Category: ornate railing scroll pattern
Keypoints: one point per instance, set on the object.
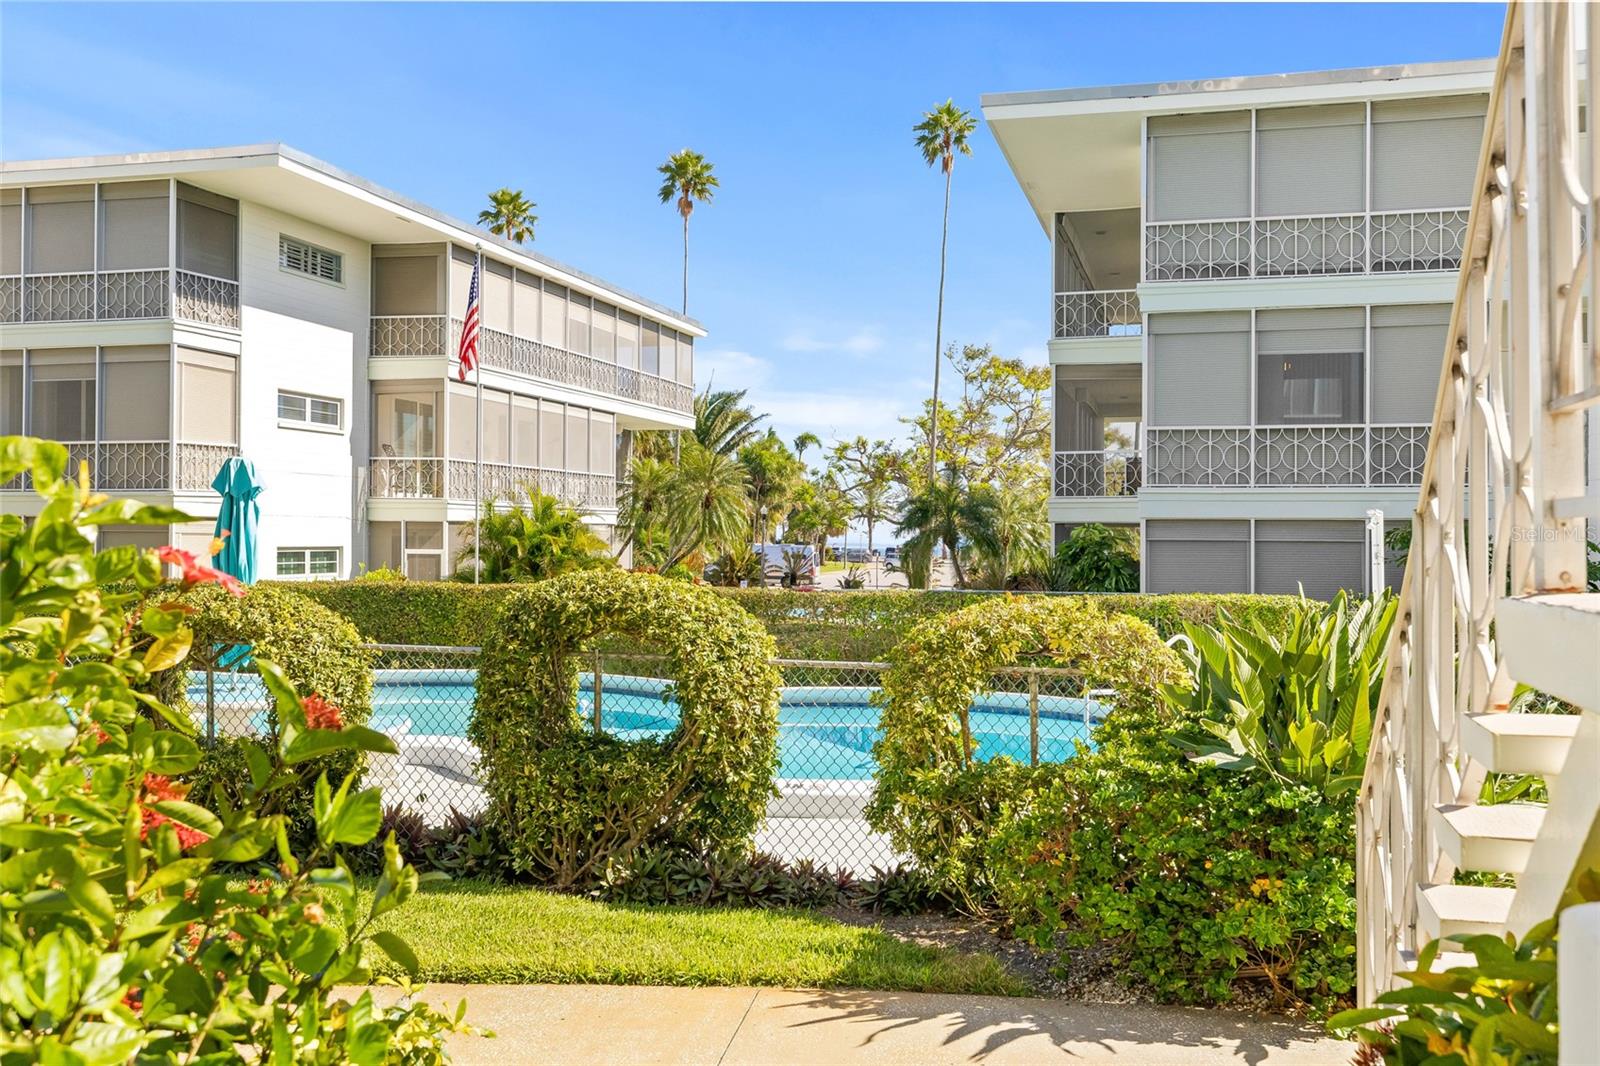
(1325, 244)
(1283, 456)
(584, 491)
(1197, 457)
(407, 336)
(1504, 464)
(1101, 313)
(1185, 251)
(198, 464)
(11, 298)
(1115, 472)
(1418, 240)
(58, 297)
(133, 466)
(405, 478)
(208, 300)
(133, 294)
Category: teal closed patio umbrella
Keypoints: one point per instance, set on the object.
(237, 519)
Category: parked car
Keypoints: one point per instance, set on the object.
(859, 555)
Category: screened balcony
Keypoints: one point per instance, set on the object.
(1096, 257)
(119, 251)
(530, 326)
(66, 395)
(1097, 430)
(1377, 188)
(563, 450)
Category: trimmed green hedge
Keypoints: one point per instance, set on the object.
(807, 625)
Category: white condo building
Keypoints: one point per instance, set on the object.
(162, 312)
(1251, 282)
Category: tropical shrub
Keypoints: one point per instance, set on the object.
(568, 801)
(860, 626)
(1295, 700)
(529, 542)
(315, 648)
(1095, 558)
(1502, 1010)
(936, 803)
(1191, 876)
(135, 923)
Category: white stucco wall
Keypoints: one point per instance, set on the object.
(307, 336)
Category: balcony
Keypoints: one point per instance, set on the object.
(1395, 242)
(120, 296)
(424, 336)
(1098, 474)
(1342, 456)
(1098, 313)
(402, 478)
(148, 466)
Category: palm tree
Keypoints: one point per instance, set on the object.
(950, 513)
(708, 503)
(805, 440)
(510, 215)
(687, 176)
(527, 543)
(1021, 532)
(940, 135)
(642, 505)
(722, 423)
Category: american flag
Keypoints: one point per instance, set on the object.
(468, 353)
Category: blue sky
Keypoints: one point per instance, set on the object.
(815, 268)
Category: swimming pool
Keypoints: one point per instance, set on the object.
(824, 733)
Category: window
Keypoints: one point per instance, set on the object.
(308, 259)
(1310, 366)
(314, 412)
(308, 562)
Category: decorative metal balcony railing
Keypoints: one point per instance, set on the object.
(1304, 245)
(1494, 591)
(402, 478)
(1280, 456)
(1100, 313)
(120, 295)
(424, 336)
(146, 466)
(1109, 472)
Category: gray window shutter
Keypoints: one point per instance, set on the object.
(1199, 166)
(1407, 358)
(1200, 369)
(60, 229)
(406, 285)
(1425, 152)
(133, 225)
(1181, 555)
(1321, 557)
(1311, 160)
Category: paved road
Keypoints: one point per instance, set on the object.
(644, 1026)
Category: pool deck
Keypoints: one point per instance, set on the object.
(646, 1026)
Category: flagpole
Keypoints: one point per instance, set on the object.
(477, 491)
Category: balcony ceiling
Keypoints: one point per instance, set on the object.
(1072, 162)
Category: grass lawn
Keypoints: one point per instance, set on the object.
(476, 931)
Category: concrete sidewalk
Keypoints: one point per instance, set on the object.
(602, 1025)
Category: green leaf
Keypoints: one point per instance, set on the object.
(397, 949)
(168, 651)
(188, 814)
(1349, 1019)
(173, 873)
(354, 819)
(39, 725)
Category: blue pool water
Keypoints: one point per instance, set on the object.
(824, 733)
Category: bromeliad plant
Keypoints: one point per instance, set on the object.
(1294, 701)
(136, 923)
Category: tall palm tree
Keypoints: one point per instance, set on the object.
(1021, 531)
(510, 215)
(940, 135)
(804, 440)
(951, 513)
(687, 177)
(722, 422)
(708, 503)
(643, 505)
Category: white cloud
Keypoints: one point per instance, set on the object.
(730, 369)
(863, 341)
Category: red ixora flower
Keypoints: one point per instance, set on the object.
(196, 572)
(320, 714)
(133, 999)
(157, 788)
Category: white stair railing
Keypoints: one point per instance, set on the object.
(1502, 506)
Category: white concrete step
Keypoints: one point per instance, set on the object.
(1461, 910)
(1519, 743)
(1552, 643)
(1442, 961)
(1496, 838)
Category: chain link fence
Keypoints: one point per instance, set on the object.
(828, 723)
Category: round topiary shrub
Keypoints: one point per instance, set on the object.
(935, 801)
(569, 801)
(320, 652)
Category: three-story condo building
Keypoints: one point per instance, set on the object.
(162, 312)
(1251, 286)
